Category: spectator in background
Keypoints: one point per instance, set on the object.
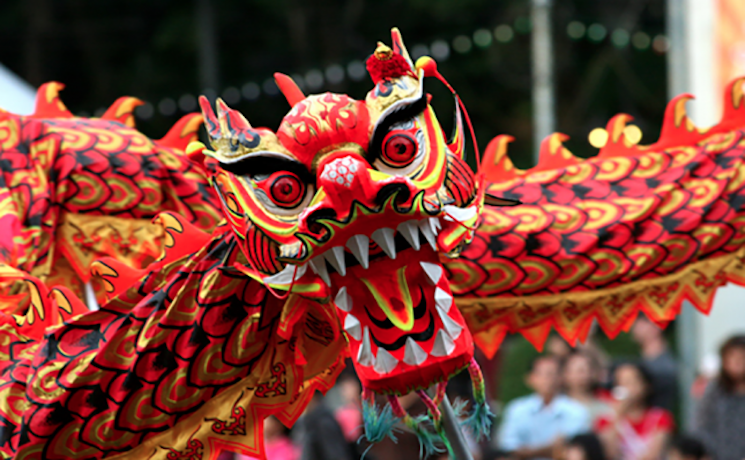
(349, 415)
(661, 364)
(581, 384)
(687, 448)
(585, 446)
(535, 425)
(636, 430)
(320, 435)
(720, 421)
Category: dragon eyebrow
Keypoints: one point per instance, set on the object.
(405, 112)
(257, 166)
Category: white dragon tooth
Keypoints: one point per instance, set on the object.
(436, 225)
(385, 362)
(410, 231)
(443, 346)
(364, 354)
(443, 299)
(359, 245)
(414, 355)
(353, 327)
(426, 228)
(433, 271)
(335, 256)
(459, 214)
(287, 274)
(451, 327)
(343, 301)
(318, 265)
(384, 237)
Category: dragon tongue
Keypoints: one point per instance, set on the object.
(390, 290)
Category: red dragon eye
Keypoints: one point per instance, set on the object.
(399, 149)
(285, 189)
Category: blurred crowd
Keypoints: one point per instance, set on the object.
(584, 406)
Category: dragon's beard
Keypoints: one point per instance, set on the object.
(404, 329)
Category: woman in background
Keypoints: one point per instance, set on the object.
(635, 430)
(721, 413)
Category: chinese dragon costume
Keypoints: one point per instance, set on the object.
(357, 229)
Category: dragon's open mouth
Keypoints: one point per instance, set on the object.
(402, 317)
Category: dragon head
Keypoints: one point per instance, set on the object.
(353, 203)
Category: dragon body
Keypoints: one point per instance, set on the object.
(356, 229)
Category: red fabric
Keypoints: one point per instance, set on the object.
(654, 419)
(350, 420)
(276, 449)
(393, 67)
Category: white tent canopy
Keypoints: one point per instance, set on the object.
(16, 95)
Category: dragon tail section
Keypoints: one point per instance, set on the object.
(638, 228)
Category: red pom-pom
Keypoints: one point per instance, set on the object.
(385, 63)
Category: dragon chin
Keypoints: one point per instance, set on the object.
(397, 310)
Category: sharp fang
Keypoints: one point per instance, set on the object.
(451, 327)
(335, 256)
(410, 231)
(384, 237)
(385, 362)
(318, 265)
(414, 355)
(360, 247)
(443, 299)
(353, 327)
(287, 274)
(433, 271)
(459, 214)
(343, 300)
(364, 355)
(426, 228)
(443, 346)
(435, 223)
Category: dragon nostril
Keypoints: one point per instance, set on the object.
(389, 189)
(312, 220)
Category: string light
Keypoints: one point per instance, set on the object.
(482, 38)
(640, 40)
(620, 38)
(596, 32)
(231, 95)
(187, 103)
(334, 74)
(503, 33)
(418, 51)
(314, 79)
(440, 50)
(598, 137)
(167, 107)
(576, 30)
(462, 44)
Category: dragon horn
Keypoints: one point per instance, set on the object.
(399, 47)
(289, 88)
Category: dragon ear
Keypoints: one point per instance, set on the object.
(232, 122)
(399, 47)
(210, 120)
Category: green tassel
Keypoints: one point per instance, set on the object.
(422, 427)
(379, 424)
(478, 422)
